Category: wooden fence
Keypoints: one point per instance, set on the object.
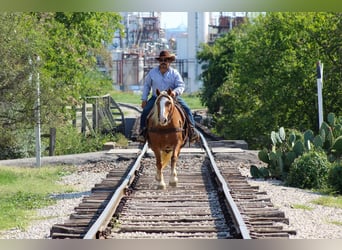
(100, 114)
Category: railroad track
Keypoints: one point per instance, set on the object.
(212, 200)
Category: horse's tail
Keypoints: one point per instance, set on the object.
(165, 157)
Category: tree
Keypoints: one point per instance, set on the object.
(75, 39)
(272, 80)
(67, 45)
(216, 68)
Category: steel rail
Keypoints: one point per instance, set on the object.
(235, 213)
(109, 211)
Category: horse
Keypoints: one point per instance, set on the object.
(166, 134)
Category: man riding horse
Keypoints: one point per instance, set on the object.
(164, 77)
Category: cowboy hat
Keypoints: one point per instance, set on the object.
(166, 54)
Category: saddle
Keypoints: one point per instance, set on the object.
(186, 126)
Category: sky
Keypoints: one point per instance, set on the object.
(173, 19)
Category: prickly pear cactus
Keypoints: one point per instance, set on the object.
(336, 149)
(263, 156)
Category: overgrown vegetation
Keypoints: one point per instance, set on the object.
(329, 201)
(309, 171)
(301, 206)
(262, 75)
(59, 50)
(71, 141)
(22, 190)
(307, 160)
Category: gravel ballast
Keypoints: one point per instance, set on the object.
(311, 221)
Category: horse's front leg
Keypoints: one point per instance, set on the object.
(159, 175)
(173, 177)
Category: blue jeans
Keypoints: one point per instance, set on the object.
(149, 106)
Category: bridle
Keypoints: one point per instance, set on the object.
(172, 106)
(169, 116)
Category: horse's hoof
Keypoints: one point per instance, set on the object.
(173, 184)
(162, 186)
(173, 181)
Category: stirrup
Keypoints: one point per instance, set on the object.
(193, 136)
(142, 136)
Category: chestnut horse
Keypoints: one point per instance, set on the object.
(166, 135)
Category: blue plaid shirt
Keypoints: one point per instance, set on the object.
(156, 80)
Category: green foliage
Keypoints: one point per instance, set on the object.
(298, 148)
(193, 100)
(16, 144)
(330, 137)
(309, 171)
(282, 154)
(336, 148)
(329, 201)
(335, 178)
(262, 75)
(301, 206)
(17, 91)
(260, 172)
(286, 151)
(70, 141)
(216, 70)
(69, 54)
(126, 97)
(59, 51)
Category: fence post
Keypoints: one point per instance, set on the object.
(74, 112)
(84, 117)
(52, 141)
(96, 115)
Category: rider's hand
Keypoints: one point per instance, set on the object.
(143, 104)
(173, 94)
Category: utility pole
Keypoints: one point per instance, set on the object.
(37, 113)
(319, 69)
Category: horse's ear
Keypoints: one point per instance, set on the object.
(169, 91)
(157, 92)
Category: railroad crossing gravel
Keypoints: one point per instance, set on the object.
(318, 222)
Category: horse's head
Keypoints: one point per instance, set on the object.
(165, 106)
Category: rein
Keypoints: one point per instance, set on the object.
(165, 130)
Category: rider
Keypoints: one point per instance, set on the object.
(164, 77)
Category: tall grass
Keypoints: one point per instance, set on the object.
(193, 100)
(329, 201)
(22, 190)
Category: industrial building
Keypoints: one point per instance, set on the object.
(134, 54)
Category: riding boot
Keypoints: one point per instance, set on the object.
(193, 134)
(142, 135)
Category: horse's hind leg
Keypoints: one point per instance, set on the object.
(173, 178)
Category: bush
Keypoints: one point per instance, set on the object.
(18, 143)
(309, 171)
(335, 178)
(70, 141)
